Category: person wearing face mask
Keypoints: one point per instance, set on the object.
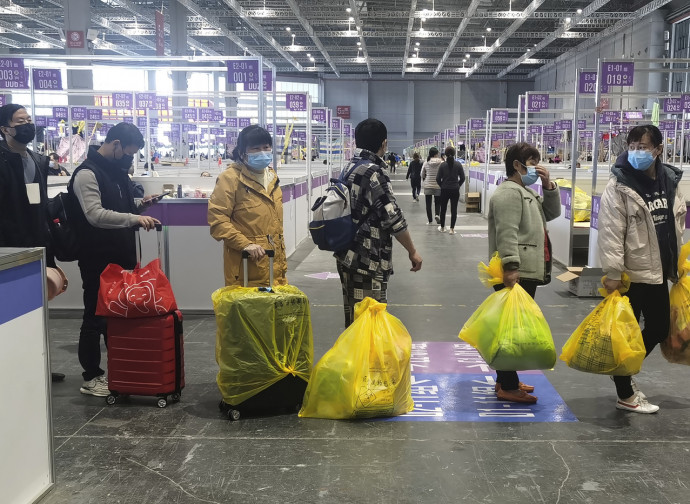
(641, 224)
(23, 188)
(105, 217)
(517, 231)
(54, 167)
(245, 211)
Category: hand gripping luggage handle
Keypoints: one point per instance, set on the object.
(245, 266)
(159, 231)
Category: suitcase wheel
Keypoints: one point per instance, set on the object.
(110, 400)
(175, 397)
(233, 414)
(162, 402)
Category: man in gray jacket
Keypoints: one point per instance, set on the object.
(641, 223)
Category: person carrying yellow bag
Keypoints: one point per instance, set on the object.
(509, 331)
(641, 223)
(676, 348)
(517, 231)
(366, 373)
(609, 340)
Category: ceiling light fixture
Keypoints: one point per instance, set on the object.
(308, 55)
(488, 29)
(19, 25)
(467, 56)
(288, 28)
(311, 59)
(579, 11)
(568, 20)
(417, 44)
(348, 10)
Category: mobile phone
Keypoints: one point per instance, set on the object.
(159, 197)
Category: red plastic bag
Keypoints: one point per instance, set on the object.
(142, 292)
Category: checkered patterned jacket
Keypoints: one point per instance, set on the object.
(377, 214)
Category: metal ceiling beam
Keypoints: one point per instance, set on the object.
(471, 11)
(327, 14)
(8, 42)
(410, 25)
(393, 60)
(307, 27)
(358, 24)
(586, 12)
(237, 8)
(391, 49)
(387, 34)
(647, 9)
(506, 34)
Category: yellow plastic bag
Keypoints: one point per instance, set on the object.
(261, 337)
(508, 329)
(609, 340)
(582, 203)
(366, 373)
(676, 348)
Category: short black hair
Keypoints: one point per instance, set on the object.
(7, 113)
(370, 135)
(127, 134)
(415, 156)
(636, 134)
(522, 152)
(249, 137)
(54, 156)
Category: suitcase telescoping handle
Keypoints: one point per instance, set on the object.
(245, 265)
(159, 235)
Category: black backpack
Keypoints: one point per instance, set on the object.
(63, 227)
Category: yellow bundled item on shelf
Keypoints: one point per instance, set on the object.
(582, 203)
(366, 373)
(676, 348)
(508, 329)
(475, 163)
(609, 340)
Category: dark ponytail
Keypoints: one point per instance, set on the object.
(432, 152)
(450, 157)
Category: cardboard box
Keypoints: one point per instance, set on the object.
(583, 281)
(473, 203)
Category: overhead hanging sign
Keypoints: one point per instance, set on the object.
(673, 106)
(145, 100)
(617, 73)
(122, 100)
(633, 114)
(297, 102)
(47, 79)
(243, 71)
(189, 114)
(267, 80)
(78, 113)
(499, 116)
(476, 124)
(245, 122)
(610, 116)
(14, 78)
(75, 39)
(231, 122)
(342, 111)
(161, 103)
(588, 83)
(538, 101)
(94, 114)
(60, 113)
(160, 33)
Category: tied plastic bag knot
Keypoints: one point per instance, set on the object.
(625, 279)
(493, 273)
(370, 305)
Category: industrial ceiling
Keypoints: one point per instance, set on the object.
(457, 39)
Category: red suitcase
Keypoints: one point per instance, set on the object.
(146, 357)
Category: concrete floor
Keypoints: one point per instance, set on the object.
(135, 453)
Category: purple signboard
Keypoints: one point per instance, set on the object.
(596, 204)
(538, 101)
(244, 122)
(52, 122)
(347, 129)
(497, 136)
(122, 100)
(588, 83)
(335, 124)
(94, 114)
(153, 122)
(78, 113)
(231, 122)
(243, 71)
(296, 101)
(189, 114)
(280, 130)
(60, 113)
(633, 114)
(141, 122)
(13, 75)
(128, 119)
(3, 100)
(217, 131)
(568, 202)
(499, 116)
(161, 103)
(617, 73)
(476, 124)
(534, 129)
(548, 130)
(462, 130)
(667, 125)
(41, 121)
(218, 116)
(673, 106)
(268, 82)
(206, 114)
(145, 100)
(581, 124)
(586, 134)
(47, 79)
(509, 135)
(175, 128)
(318, 115)
(567, 124)
(685, 100)
(610, 116)
(188, 127)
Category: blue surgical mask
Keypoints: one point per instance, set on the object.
(531, 177)
(257, 161)
(640, 159)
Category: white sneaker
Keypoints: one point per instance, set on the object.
(451, 231)
(637, 405)
(442, 229)
(96, 387)
(429, 223)
(636, 390)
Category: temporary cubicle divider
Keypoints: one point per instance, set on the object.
(502, 124)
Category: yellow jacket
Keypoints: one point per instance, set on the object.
(242, 212)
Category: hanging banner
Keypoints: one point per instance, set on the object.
(618, 73)
(160, 33)
(243, 71)
(588, 83)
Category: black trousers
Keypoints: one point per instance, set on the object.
(92, 327)
(416, 184)
(452, 195)
(652, 301)
(437, 206)
(509, 379)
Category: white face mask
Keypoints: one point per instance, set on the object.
(52, 164)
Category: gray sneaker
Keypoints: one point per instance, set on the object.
(96, 387)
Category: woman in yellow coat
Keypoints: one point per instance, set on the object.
(246, 211)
